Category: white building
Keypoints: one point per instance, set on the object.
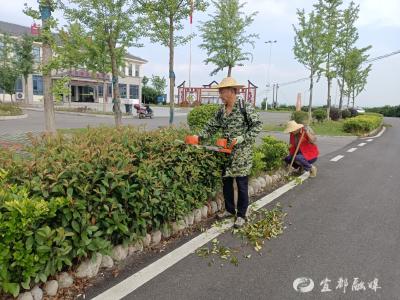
(85, 86)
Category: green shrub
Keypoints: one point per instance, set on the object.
(299, 116)
(200, 115)
(387, 111)
(264, 104)
(334, 114)
(362, 124)
(319, 115)
(259, 165)
(273, 151)
(7, 109)
(346, 114)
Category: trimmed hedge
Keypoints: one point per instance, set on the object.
(299, 116)
(200, 115)
(363, 124)
(71, 196)
(319, 115)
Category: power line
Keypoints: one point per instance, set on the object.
(368, 61)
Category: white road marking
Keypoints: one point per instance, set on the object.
(362, 144)
(376, 136)
(337, 158)
(136, 280)
(369, 140)
(351, 150)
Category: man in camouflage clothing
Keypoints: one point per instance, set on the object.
(240, 124)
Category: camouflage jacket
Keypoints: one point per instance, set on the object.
(233, 125)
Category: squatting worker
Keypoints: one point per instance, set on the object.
(240, 123)
(308, 151)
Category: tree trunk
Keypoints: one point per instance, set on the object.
(26, 94)
(328, 102)
(310, 99)
(353, 98)
(171, 71)
(116, 99)
(229, 71)
(49, 116)
(341, 84)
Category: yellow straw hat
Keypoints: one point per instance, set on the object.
(292, 126)
(229, 82)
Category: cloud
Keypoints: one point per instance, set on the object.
(380, 13)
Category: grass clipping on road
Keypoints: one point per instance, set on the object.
(261, 226)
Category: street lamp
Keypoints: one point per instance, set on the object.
(270, 42)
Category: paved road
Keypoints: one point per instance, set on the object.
(342, 224)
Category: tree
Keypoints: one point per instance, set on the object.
(25, 61)
(329, 12)
(224, 36)
(149, 95)
(145, 80)
(356, 75)
(70, 54)
(163, 19)
(159, 84)
(307, 47)
(9, 72)
(46, 37)
(348, 36)
(113, 23)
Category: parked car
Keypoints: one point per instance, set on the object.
(360, 110)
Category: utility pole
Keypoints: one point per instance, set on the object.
(276, 96)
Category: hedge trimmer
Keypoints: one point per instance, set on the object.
(221, 144)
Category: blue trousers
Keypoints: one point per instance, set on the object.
(300, 161)
(243, 196)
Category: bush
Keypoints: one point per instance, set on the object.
(149, 95)
(387, 111)
(200, 115)
(119, 184)
(273, 151)
(264, 104)
(346, 113)
(353, 112)
(7, 109)
(319, 115)
(334, 114)
(362, 124)
(299, 116)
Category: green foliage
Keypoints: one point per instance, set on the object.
(363, 124)
(159, 84)
(346, 114)
(10, 110)
(387, 111)
(319, 115)
(200, 115)
(264, 104)
(29, 249)
(259, 164)
(273, 151)
(149, 95)
(9, 71)
(334, 114)
(299, 116)
(25, 59)
(224, 36)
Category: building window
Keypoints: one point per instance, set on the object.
(122, 91)
(36, 54)
(37, 81)
(130, 70)
(137, 70)
(100, 91)
(18, 86)
(133, 91)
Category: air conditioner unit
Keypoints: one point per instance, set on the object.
(19, 96)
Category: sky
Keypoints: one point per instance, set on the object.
(379, 26)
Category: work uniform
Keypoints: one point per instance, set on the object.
(239, 162)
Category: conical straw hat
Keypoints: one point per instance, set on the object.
(229, 82)
(292, 126)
